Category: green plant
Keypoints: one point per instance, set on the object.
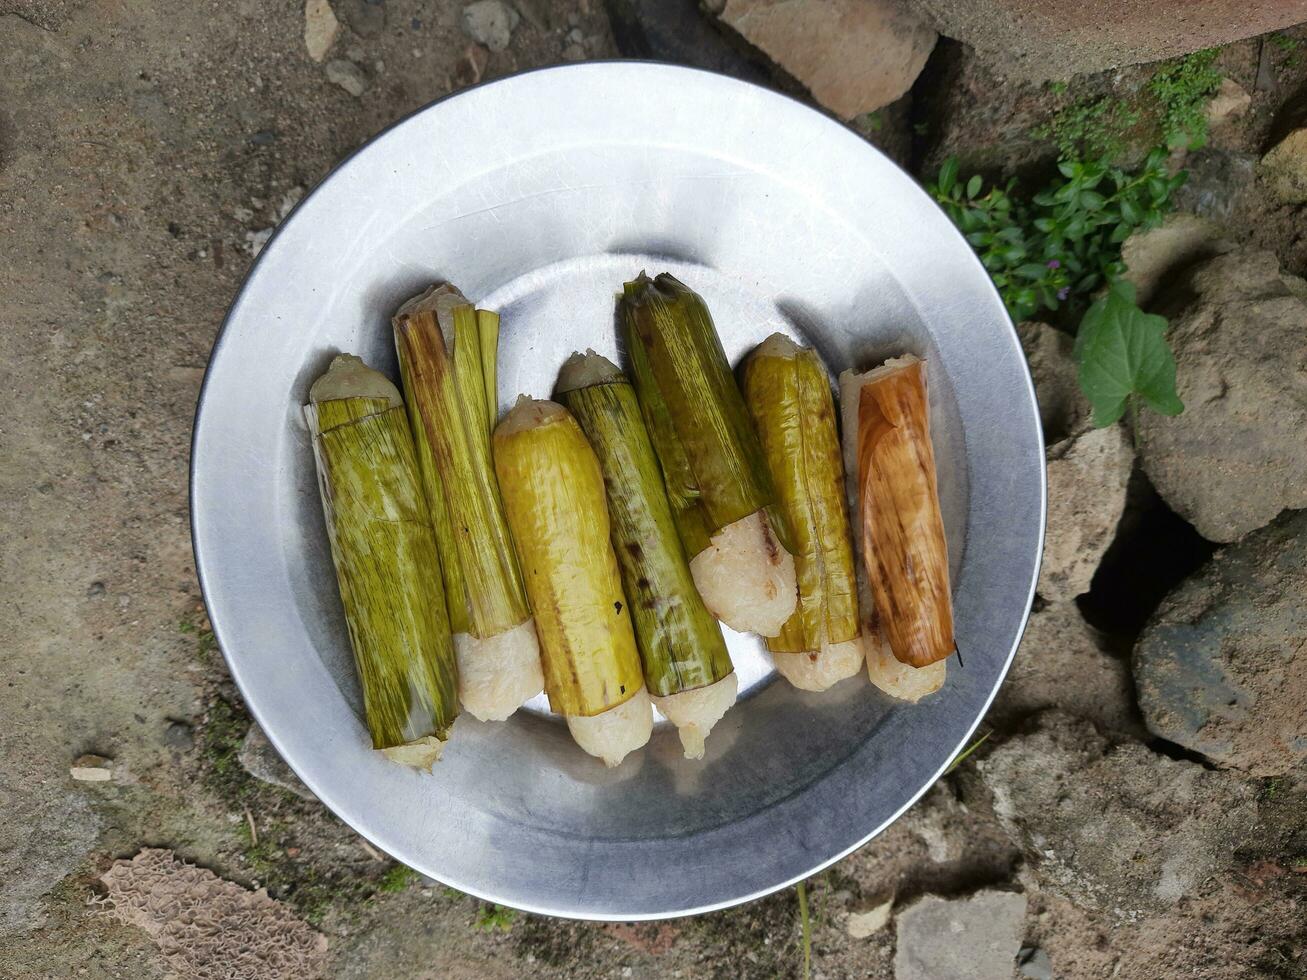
(1290, 47)
(1181, 88)
(805, 924)
(961, 757)
(495, 918)
(205, 641)
(396, 879)
(1123, 357)
(1055, 248)
(1171, 109)
(1092, 127)
(1063, 242)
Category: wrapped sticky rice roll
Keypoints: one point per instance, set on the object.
(721, 492)
(447, 357)
(553, 491)
(880, 450)
(687, 669)
(386, 561)
(788, 393)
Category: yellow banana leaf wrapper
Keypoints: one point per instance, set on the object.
(553, 491)
(789, 397)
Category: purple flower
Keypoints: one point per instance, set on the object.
(1054, 264)
(1064, 292)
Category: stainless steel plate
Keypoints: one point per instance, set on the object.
(539, 195)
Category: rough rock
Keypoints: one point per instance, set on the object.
(942, 845)
(860, 925)
(366, 18)
(854, 56)
(1063, 408)
(347, 75)
(1037, 40)
(490, 22)
(1063, 663)
(1230, 102)
(976, 938)
(1034, 964)
(683, 33)
(262, 761)
(179, 735)
(962, 107)
(1117, 829)
(1284, 168)
(42, 840)
(1087, 478)
(320, 28)
(1151, 257)
(1218, 181)
(1234, 458)
(1222, 666)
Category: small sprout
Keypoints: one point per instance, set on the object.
(962, 756)
(396, 879)
(495, 918)
(805, 924)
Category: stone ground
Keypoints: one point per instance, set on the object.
(145, 150)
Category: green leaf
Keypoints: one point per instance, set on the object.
(1122, 352)
(948, 175)
(973, 186)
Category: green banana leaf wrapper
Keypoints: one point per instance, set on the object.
(680, 643)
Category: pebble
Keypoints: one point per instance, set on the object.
(1230, 102)
(983, 931)
(490, 22)
(255, 240)
(366, 18)
(347, 75)
(95, 590)
(860, 925)
(1034, 964)
(263, 762)
(320, 28)
(91, 769)
(178, 735)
